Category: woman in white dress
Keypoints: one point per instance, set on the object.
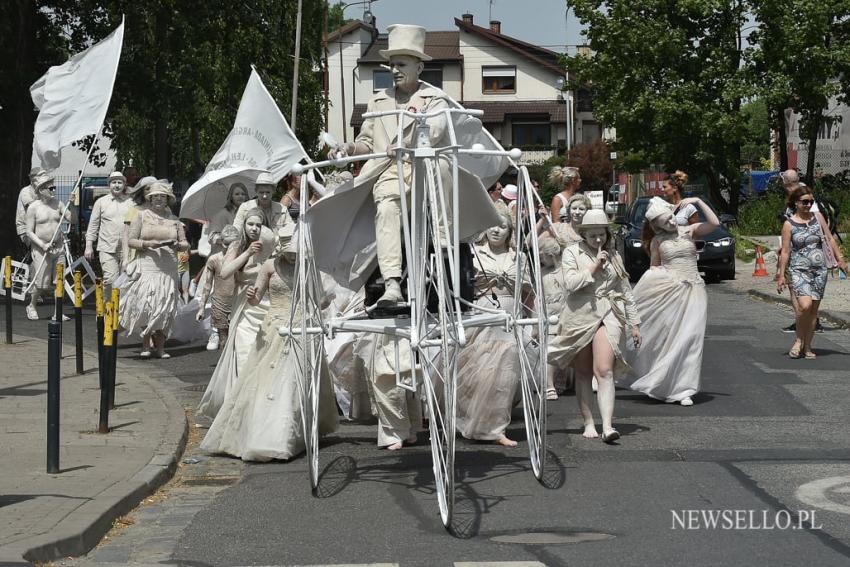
(568, 181)
(673, 306)
(261, 419)
(243, 260)
(597, 310)
(488, 367)
(149, 303)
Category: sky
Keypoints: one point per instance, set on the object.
(547, 28)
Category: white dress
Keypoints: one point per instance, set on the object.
(245, 321)
(488, 366)
(261, 419)
(673, 307)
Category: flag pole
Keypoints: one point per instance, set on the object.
(294, 112)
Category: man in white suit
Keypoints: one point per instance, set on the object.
(406, 54)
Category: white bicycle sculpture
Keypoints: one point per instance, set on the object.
(433, 269)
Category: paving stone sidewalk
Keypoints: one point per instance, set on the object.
(48, 516)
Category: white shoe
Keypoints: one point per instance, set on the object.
(64, 318)
(594, 384)
(687, 401)
(212, 343)
(32, 314)
(392, 294)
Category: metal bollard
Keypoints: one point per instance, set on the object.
(98, 299)
(59, 296)
(113, 360)
(54, 362)
(78, 319)
(7, 284)
(103, 369)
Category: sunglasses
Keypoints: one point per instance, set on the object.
(806, 201)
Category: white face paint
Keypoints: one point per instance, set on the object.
(498, 235)
(405, 70)
(159, 202)
(47, 193)
(264, 195)
(548, 259)
(665, 222)
(577, 210)
(253, 225)
(116, 186)
(596, 237)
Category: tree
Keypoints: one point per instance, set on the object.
(800, 60)
(184, 67)
(755, 146)
(667, 76)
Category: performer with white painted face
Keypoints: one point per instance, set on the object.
(673, 306)
(274, 215)
(488, 368)
(598, 310)
(26, 197)
(106, 227)
(406, 56)
(47, 242)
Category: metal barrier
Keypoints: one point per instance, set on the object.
(54, 364)
(78, 319)
(7, 284)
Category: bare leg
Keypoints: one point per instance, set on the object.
(807, 343)
(32, 314)
(603, 369)
(806, 314)
(551, 393)
(583, 364)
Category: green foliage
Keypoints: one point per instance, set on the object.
(761, 216)
(667, 76)
(593, 161)
(184, 67)
(755, 147)
(745, 249)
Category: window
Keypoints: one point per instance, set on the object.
(433, 76)
(381, 79)
(498, 79)
(531, 134)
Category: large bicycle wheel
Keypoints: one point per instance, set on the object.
(531, 327)
(306, 338)
(437, 327)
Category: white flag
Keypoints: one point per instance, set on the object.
(261, 140)
(73, 98)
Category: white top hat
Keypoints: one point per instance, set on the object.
(406, 40)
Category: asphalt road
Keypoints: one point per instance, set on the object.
(767, 437)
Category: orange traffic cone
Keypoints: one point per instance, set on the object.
(760, 270)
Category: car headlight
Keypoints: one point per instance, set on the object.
(723, 242)
(635, 243)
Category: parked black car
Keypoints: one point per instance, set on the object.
(716, 250)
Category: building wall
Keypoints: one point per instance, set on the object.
(353, 44)
(532, 82)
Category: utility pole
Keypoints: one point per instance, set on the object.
(293, 114)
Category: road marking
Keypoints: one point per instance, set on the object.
(499, 564)
(815, 493)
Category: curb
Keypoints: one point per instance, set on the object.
(83, 529)
(840, 321)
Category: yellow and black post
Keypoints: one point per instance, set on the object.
(98, 309)
(78, 319)
(113, 360)
(7, 285)
(59, 296)
(103, 369)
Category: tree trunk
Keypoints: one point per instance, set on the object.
(714, 189)
(783, 138)
(814, 130)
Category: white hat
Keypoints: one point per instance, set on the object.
(657, 207)
(265, 178)
(594, 218)
(509, 192)
(43, 180)
(116, 175)
(143, 183)
(161, 187)
(406, 40)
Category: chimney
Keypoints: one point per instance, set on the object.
(496, 26)
(584, 51)
(467, 18)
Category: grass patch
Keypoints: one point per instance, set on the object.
(745, 249)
